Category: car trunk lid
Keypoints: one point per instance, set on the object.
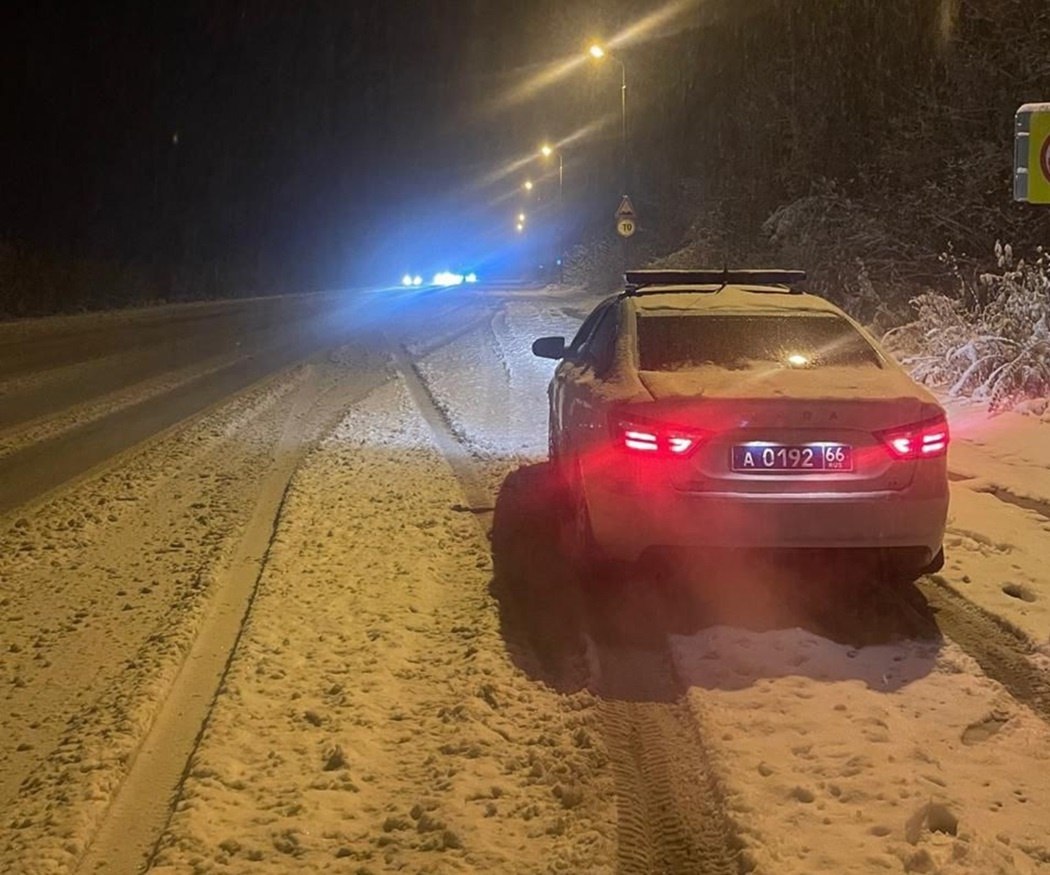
(786, 408)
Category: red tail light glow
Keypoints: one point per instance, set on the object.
(644, 437)
(921, 440)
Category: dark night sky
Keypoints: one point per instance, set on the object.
(267, 144)
(263, 130)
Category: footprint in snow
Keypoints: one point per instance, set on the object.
(984, 729)
(1015, 590)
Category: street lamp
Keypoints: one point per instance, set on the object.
(528, 185)
(521, 218)
(520, 227)
(546, 151)
(598, 53)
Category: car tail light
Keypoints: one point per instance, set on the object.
(643, 437)
(922, 440)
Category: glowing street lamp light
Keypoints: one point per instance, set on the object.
(520, 227)
(597, 52)
(521, 218)
(528, 185)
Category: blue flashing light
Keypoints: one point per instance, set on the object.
(447, 278)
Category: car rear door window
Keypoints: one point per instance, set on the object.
(579, 342)
(599, 347)
(672, 342)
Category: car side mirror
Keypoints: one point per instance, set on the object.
(549, 347)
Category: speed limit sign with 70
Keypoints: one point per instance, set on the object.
(626, 227)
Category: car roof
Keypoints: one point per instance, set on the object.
(739, 299)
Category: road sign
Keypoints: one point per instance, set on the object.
(626, 218)
(1042, 164)
(1032, 153)
(626, 211)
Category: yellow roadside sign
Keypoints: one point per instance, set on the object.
(1039, 159)
(1032, 153)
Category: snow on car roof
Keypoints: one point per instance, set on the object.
(730, 298)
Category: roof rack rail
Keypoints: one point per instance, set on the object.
(638, 279)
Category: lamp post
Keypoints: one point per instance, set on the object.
(598, 53)
(546, 151)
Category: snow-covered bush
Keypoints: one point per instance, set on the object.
(598, 265)
(991, 342)
(852, 254)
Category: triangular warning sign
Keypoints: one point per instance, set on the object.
(626, 209)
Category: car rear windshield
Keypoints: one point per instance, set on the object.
(679, 342)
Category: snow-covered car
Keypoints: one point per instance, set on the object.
(725, 409)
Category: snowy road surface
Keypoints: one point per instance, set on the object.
(315, 617)
(74, 391)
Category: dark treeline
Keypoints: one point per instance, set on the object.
(167, 150)
(860, 138)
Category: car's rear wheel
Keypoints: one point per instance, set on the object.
(936, 563)
(594, 569)
(553, 456)
(901, 569)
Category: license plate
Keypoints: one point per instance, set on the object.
(759, 458)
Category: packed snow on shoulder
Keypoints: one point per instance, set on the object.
(998, 532)
(371, 715)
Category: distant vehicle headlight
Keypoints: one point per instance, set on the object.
(406, 280)
(471, 277)
(447, 278)
(417, 280)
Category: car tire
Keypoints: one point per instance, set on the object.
(897, 573)
(553, 457)
(935, 564)
(594, 570)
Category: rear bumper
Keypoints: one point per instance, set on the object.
(626, 522)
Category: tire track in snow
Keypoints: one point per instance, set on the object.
(139, 813)
(671, 818)
(1042, 508)
(102, 681)
(1003, 652)
(669, 806)
(423, 350)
